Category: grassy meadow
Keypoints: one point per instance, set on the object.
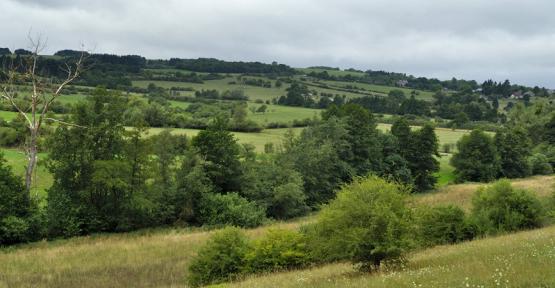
(159, 258)
(524, 259)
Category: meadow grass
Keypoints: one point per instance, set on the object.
(282, 114)
(381, 89)
(524, 259)
(253, 92)
(461, 194)
(274, 136)
(446, 173)
(160, 258)
(8, 115)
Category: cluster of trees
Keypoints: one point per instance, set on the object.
(256, 82)
(524, 147)
(235, 94)
(108, 178)
(464, 107)
(212, 65)
(111, 71)
(370, 225)
(395, 103)
(179, 76)
(393, 79)
(504, 89)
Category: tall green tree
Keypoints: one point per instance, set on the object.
(477, 158)
(92, 177)
(219, 148)
(513, 147)
(424, 163)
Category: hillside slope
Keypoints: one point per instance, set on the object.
(525, 259)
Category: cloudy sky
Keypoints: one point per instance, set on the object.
(471, 39)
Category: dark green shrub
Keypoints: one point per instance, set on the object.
(13, 230)
(443, 225)
(230, 209)
(279, 249)
(220, 259)
(367, 224)
(500, 208)
(539, 164)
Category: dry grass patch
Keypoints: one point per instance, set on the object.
(461, 194)
(524, 259)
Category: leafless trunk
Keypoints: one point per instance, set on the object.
(42, 95)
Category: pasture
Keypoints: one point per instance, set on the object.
(159, 258)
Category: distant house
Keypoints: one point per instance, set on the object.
(516, 95)
(402, 83)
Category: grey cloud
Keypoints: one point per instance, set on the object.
(473, 39)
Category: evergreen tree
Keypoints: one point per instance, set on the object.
(424, 163)
(477, 158)
(513, 147)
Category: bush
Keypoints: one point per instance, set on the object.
(500, 207)
(220, 259)
(539, 164)
(366, 224)
(279, 249)
(230, 209)
(13, 230)
(443, 225)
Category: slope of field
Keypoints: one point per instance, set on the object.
(525, 259)
(159, 258)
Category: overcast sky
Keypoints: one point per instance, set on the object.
(471, 39)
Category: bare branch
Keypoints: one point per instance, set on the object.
(64, 123)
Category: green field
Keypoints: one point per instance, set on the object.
(17, 160)
(422, 95)
(8, 115)
(282, 114)
(275, 136)
(253, 92)
(160, 258)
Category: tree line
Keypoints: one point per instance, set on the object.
(107, 178)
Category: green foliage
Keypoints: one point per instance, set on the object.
(277, 188)
(443, 225)
(477, 158)
(13, 230)
(221, 259)
(230, 209)
(96, 175)
(539, 164)
(317, 154)
(513, 147)
(423, 163)
(19, 217)
(279, 249)
(500, 208)
(220, 150)
(367, 224)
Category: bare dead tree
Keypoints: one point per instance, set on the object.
(44, 91)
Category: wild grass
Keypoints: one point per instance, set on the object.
(461, 194)
(524, 259)
(160, 257)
